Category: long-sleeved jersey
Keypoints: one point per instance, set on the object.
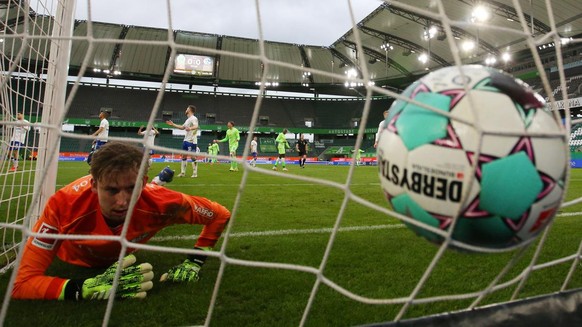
(282, 143)
(232, 136)
(75, 209)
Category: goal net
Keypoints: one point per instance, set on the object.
(346, 279)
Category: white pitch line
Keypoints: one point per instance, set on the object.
(284, 232)
(311, 231)
(569, 214)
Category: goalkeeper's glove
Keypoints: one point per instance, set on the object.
(187, 271)
(134, 282)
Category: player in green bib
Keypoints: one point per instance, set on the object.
(282, 145)
(212, 151)
(358, 155)
(232, 136)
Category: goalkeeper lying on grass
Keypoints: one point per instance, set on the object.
(98, 204)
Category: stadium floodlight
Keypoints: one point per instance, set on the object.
(506, 57)
(480, 14)
(430, 32)
(386, 46)
(468, 45)
(565, 40)
(490, 60)
(352, 73)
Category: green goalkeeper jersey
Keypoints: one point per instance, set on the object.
(232, 135)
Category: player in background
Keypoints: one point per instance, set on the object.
(301, 147)
(190, 142)
(149, 139)
(102, 133)
(358, 155)
(98, 204)
(232, 136)
(254, 145)
(212, 152)
(216, 150)
(380, 127)
(282, 145)
(18, 139)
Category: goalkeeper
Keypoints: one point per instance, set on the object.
(98, 204)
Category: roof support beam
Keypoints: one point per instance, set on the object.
(403, 43)
(217, 59)
(306, 62)
(510, 13)
(428, 21)
(344, 59)
(117, 48)
(378, 56)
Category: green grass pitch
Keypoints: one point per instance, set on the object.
(282, 220)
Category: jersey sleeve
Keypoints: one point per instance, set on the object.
(31, 281)
(212, 215)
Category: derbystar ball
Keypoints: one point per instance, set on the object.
(474, 152)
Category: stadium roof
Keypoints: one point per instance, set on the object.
(394, 37)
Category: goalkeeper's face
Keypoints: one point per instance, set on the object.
(114, 194)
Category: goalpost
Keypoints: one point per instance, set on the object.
(35, 52)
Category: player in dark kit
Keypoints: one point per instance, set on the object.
(301, 147)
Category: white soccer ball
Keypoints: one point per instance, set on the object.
(498, 163)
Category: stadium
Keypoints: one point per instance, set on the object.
(326, 245)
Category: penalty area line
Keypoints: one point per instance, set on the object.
(310, 231)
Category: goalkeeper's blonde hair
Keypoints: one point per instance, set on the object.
(115, 158)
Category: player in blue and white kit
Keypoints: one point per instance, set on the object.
(254, 151)
(149, 140)
(103, 132)
(190, 142)
(18, 139)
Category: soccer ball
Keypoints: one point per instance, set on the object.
(487, 163)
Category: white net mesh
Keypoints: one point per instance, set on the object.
(26, 64)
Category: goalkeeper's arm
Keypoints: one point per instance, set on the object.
(214, 217)
(32, 284)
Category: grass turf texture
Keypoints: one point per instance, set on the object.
(385, 262)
